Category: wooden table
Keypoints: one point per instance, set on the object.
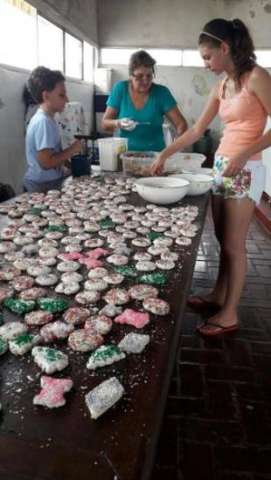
(65, 443)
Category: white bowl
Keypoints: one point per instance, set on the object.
(198, 183)
(203, 170)
(181, 160)
(162, 190)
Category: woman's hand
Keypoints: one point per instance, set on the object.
(157, 166)
(127, 124)
(235, 165)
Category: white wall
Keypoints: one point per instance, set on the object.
(175, 23)
(12, 157)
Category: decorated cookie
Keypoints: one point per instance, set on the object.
(133, 317)
(52, 304)
(104, 396)
(52, 392)
(117, 296)
(50, 360)
(38, 317)
(156, 306)
(99, 323)
(5, 292)
(110, 310)
(76, 315)
(142, 291)
(84, 340)
(104, 355)
(55, 331)
(19, 306)
(69, 288)
(46, 280)
(23, 343)
(32, 293)
(134, 342)
(10, 330)
(88, 297)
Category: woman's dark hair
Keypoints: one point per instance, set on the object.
(237, 36)
(141, 58)
(43, 79)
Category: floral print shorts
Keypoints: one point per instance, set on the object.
(249, 183)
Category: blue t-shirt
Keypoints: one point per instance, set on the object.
(42, 132)
(159, 102)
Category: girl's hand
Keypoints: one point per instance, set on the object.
(157, 166)
(234, 167)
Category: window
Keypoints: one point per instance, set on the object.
(50, 45)
(264, 57)
(118, 56)
(170, 57)
(73, 56)
(18, 34)
(192, 58)
(88, 61)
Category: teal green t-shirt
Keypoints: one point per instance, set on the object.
(159, 102)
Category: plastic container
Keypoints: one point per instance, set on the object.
(184, 161)
(109, 151)
(137, 163)
(80, 165)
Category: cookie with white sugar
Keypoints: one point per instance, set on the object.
(10, 330)
(50, 360)
(23, 343)
(104, 396)
(134, 342)
(104, 355)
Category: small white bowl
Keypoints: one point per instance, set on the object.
(162, 190)
(203, 170)
(198, 183)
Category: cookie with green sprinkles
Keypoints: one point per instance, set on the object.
(50, 360)
(19, 306)
(3, 346)
(106, 223)
(56, 228)
(153, 235)
(155, 278)
(53, 304)
(126, 271)
(105, 355)
(23, 343)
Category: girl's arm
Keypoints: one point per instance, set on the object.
(192, 134)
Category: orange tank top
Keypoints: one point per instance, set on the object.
(244, 119)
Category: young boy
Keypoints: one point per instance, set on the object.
(45, 157)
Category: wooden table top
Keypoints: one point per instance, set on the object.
(65, 443)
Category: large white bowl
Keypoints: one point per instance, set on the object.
(198, 183)
(181, 160)
(162, 190)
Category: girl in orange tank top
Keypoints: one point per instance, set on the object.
(243, 102)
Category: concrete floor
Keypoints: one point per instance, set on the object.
(217, 424)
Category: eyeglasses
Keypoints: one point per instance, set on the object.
(140, 77)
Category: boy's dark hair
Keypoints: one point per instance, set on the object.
(43, 79)
(237, 36)
(141, 58)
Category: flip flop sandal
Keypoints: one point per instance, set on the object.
(197, 301)
(218, 330)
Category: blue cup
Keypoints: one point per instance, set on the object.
(80, 165)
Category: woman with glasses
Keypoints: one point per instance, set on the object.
(136, 108)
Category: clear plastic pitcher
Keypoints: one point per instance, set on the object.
(109, 151)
